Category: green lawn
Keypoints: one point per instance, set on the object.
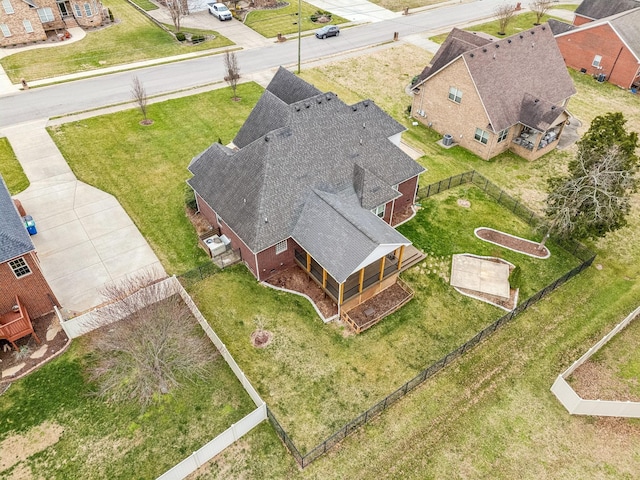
(79, 436)
(146, 5)
(132, 38)
(269, 23)
(399, 5)
(145, 167)
(520, 22)
(10, 169)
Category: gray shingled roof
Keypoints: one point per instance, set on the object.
(597, 9)
(457, 42)
(506, 70)
(289, 88)
(558, 27)
(539, 114)
(14, 238)
(261, 189)
(628, 27)
(329, 220)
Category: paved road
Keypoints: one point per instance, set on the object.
(107, 90)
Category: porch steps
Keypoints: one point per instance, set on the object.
(412, 256)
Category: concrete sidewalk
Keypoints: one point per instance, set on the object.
(85, 238)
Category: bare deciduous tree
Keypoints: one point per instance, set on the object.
(152, 348)
(177, 10)
(139, 94)
(232, 71)
(540, 7)
(504, 13)
(594, 198)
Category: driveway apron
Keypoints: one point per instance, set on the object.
(85, 239)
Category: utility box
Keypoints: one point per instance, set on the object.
(447, 140)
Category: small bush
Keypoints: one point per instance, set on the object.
(180, 36)
(515, 278)
(110, 15)
(197, 38)
(190, 198)
(321, 17)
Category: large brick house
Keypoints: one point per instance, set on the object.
(590, 10)
(20, 273)
(491, 95)
(28, 21)
(607, 48)
(314, 181)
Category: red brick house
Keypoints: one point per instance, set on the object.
(590, 10)
(28, 21)
(20, 273)
(312, 181)
(492, 95)
(608, 48)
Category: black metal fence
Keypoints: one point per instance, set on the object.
(585, 256)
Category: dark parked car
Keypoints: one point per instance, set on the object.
(328, 31)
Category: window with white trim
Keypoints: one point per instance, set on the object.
(8, 8)
(45, 14)
(481, 136)
(597, 60)
(503, 135)
(455, 94)
(87, 10)
(78, 10)
(19, 267)
(27, 26)
(5, 29)
(281, 247)
(379, 211)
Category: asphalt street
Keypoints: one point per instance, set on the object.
(96, 92)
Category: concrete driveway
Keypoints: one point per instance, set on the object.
(85, 239)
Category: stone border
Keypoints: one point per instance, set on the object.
(10, 380)
(475, 232)
(575, 404)
(515, 300)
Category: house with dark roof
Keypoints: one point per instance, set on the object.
(607, 48)
(313, 181)
(491, 95)
(20, 273)
(590, 10)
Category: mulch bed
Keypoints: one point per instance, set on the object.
(298, 281)
(402, 215)
(378, 305)
(513, 243)
(9, 359)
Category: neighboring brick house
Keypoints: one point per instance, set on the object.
(315, 181)
(608, 48)
(590, 10)
(19, 266)
(28, 21)
(492, 95)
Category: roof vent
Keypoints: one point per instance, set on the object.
(509, 41)
(354, 107)
(328, 96)
(307, 105)
(366, 103)
(533, 32)
(266, 138)
(471, 55)
(266, 220)
(484, 50)
(360, 141)
(544, 28)
(553, 107)
(521, 36)
(297, 108)
(319, 99)
(497, 45)
(536, 100)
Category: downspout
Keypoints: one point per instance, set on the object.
(614, 63)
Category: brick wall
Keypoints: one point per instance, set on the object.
(33, 289)
(448, 117)
(580, 20)
(580, 48)
(408, 191)
(270, 262)
(14, 21)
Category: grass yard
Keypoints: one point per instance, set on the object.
(133, 38)
(145, 167)
(522, 21)
(316, 377)
(146, 5)
(53, 427)
(399, 5)
(269, 23)
(10, 169)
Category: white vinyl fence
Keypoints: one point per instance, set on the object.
(579, 406)
(89, 321)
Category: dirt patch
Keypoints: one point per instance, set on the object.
(10, 358)
(402, 215)
(296, 280)
(373, 310)
(261, 338)
(597, 382)
(512, 243)
(463, 203)
(16, 448)
(200, 224)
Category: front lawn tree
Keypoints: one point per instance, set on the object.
(594, 198)
(540, 8)
(232, 72)
(504, 14)
(177, 10)
(139, 95)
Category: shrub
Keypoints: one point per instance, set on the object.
(110, 15)
(321, 17)
(180, 36)
(197, 38)
(515, 278)
(190, 198)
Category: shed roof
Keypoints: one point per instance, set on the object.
(14, 238)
